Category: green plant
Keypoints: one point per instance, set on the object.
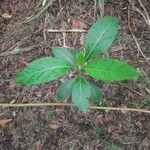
(99, 39)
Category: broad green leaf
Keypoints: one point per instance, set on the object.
(63, 54)
(110, 70)
(80, 93)
(100, 36)
(96, 93)
(65, 89)
(42, 70)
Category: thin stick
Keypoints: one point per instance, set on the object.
(44, 2)
(137, 44)
(41, 11)
(147, 15)
(101, 7)
(20, 50)
(62, 23)
(68, 104)
(72, 30)
(95, 8)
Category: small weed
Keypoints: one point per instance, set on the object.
(99, 39)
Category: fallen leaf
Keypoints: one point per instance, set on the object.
(37, 146)
(76, 24)
(124, 111)
(6, 16)
(138, 124)
(54, 125)
(117, 48)
(82, 38)
(102, 120)
(4, 122)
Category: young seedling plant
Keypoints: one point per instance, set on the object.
(99, 39)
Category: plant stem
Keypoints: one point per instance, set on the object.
(68, 104)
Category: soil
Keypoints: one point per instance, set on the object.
(24, 38)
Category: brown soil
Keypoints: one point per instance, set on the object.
(65, 128)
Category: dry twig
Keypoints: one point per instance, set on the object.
(41, 11)
(146, 16)
(69, 31)
(136, 41)
(68, 104)
(18, 50)
(146, 13)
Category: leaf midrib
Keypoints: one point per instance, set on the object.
(80, 88)
(44, 70)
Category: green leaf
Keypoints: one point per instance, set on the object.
(80, 93)
(75, 54)
(100, 36)
(63, 54)
(78, 56)
(81, 58)
(96, 93)
(42, 70)
(110, 70)
(65, 89)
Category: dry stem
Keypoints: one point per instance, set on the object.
(136, 41)
(67, 104)
(72, 30)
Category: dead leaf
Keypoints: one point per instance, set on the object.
(37, 146)
(6, 16)
(124, 111)
(138, 124)
(101, 119)
(4, 122)
(77, 24)
(117, 48)
(54, 125)
(82, 38)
